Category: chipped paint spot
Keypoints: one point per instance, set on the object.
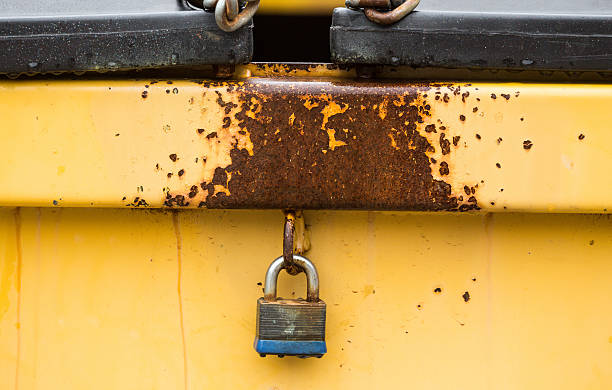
(382, 109)
(223, 188)
(393, 143)
(310, 104)
(254, 108)
(331, 109)
(444, 135)
(218, 134)
(333, 142)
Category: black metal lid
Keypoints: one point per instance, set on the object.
(69, 35)
(518, 34)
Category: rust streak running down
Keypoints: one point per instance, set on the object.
(179, 244)
(19, 260)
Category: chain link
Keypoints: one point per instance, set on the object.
(230, 18)
(228, 15)
(231, 9)
(288, 236)
(394, 10)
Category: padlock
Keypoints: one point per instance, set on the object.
(292, 327)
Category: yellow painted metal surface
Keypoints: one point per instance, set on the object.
(103, 298)
(299, 7)
(104, 143)
(144, 299)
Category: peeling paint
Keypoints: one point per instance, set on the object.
(259, 137)
(310, 142)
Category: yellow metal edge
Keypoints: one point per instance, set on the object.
(108, 143)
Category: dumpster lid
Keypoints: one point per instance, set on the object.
(69, 35)
(481, 34)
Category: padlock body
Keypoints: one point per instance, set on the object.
(290, 327)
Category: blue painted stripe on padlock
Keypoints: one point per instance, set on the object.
(274, 347)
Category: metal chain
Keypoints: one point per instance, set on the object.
(394, 10)
(228, 15)
(288, 235)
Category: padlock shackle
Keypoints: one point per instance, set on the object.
(312, 278)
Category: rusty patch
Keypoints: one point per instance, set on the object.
(137, 202)
(444, 144)
(321, 145)
(444, 168)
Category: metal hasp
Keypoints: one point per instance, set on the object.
(90, 35)
(292, 327)
(522, 34)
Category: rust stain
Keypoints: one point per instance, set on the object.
(179, 244)
(316, 144)
(19, 252)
